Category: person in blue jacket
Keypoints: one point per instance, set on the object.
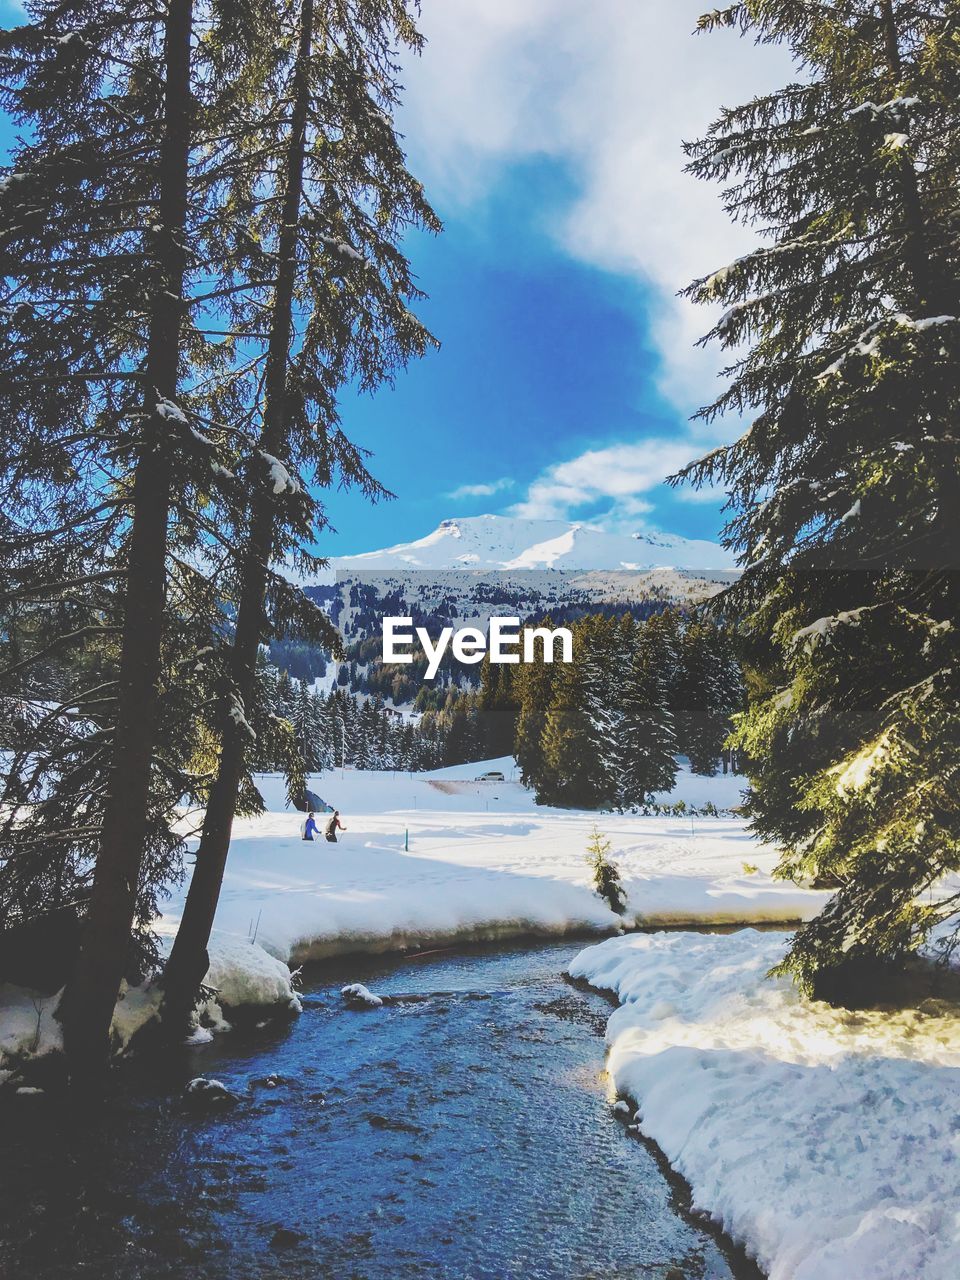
(310, 827)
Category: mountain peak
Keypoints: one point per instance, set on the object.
(491, 542)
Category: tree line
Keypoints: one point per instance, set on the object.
(605, 730)
(331, 730)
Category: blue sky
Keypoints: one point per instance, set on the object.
(542, 358)
(548, 135)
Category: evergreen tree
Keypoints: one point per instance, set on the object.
(107, 190)
(648, 746)
(578, 751)
(708, 692)
(536, 686)
(497, 709)
(327, 239)
(845, 489)
(606, 875)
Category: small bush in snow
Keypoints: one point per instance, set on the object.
(606, 877)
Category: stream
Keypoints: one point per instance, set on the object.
(465, 1133)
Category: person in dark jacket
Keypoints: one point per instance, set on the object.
(333, 824)
(310, 827)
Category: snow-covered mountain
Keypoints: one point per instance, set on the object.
(511, 542)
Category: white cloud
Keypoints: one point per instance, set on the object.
(619, 473)
(485, 490)
(610, 89)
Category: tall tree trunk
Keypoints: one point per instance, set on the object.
(188, 960)
(93, 989)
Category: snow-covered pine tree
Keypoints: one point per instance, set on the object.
(365, 740)
(286, 695)
(304, 726)
(323, 739)
(647, 752)
(846, 488)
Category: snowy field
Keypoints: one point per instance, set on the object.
(824, 1140)
(483, 861)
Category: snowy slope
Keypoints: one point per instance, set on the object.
(509, 542)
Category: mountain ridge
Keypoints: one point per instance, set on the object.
(492, 542)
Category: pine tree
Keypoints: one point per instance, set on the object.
(648, 746)
(846, 488)
(578, 749)
(708, 693)
(498, 709)
(329, 241)
(106, 189)
(606, 875)
(535, 687)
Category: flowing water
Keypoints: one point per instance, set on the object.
(463, 1133)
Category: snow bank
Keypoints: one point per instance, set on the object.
(826, 1141)
(245, 976)
(241, 973)
(443, 858)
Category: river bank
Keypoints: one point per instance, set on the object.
(464, 1128)
(823, 1139)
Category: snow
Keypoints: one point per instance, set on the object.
(357, 994)
(237, 715)
(199, 1035)
(933, 322)
(822, 1139)
(241, 974)
(342, 247)
(852, 514)
(244, 975)
(899, 104)
(172, 413)
(869, 341)
(809, 637)
(514, 542)
(27, 1026)
(283, 481)
(856, 775)
(483, 862)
